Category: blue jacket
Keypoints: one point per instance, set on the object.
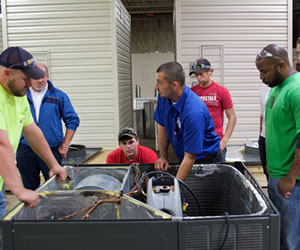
(55, 106)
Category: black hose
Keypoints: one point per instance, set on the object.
(172, 176)
(227, 230)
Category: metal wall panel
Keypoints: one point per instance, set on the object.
(1, 40)
(241, 27)
(79, 37)
(124, 65)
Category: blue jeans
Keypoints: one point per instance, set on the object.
(2, 204)
(262, 154)
(223, 154)
(289, 209)
(30, 165)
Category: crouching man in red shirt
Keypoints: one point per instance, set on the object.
(130, 151)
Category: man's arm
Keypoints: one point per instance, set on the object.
(186, 166)
(64, 147)
(231, 116)
(10, 174)
(163, 143)
(286, 184)
(39, 145)
(71, 121)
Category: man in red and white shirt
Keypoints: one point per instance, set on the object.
(217, 99)
(130, 151)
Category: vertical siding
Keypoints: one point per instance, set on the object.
(241, 28)
(77, 35)
(123, 26)
(1, 39)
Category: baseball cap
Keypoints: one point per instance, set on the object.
(199, 66)
(127, 132)
(20, 59)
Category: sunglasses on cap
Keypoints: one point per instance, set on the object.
(199, 66)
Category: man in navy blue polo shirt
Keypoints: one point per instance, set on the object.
(184, 120)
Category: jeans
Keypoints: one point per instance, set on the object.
(262, 154)
(2, 204)
(223, 154)
(30, 165)
(289, 209)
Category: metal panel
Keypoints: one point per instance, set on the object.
(94, 235)
(79, 36)
(241, 27)
(123, 26)
(1, 40)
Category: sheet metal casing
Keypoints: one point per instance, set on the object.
(220, 189)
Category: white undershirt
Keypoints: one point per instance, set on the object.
(264, 94)
(37, 98)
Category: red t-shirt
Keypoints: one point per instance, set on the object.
(217, 98)
(144, 155)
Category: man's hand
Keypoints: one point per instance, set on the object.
(285, 185)
(161, 164)
(29, 197)
(63, 150)
(59, 171)
(222, 145)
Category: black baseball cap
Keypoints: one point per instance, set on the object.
(20, 59)
(199, 66)
(128, 132)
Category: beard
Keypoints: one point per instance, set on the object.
(277, 79)
(38, 88)
(11, 84)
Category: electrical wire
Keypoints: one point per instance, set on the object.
(138, 174)
(227, 230)
(172, 176)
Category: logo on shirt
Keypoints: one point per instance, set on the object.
(208, 98)
(177, 127)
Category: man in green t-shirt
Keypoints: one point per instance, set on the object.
(282, 125)
(17, 68)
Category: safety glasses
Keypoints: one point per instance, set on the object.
(262, 53)
(199, 66)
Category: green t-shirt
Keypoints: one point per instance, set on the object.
(282, 125)
(14, 115)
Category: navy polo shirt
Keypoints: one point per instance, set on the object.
(189, 125)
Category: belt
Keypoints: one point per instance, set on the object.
(209, 157)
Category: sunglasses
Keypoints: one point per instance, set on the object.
(261, 53)
(199, 66)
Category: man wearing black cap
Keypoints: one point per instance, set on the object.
(17, 68)
(217, 99)
(130, 151)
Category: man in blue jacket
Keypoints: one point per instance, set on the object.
(49, 106)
